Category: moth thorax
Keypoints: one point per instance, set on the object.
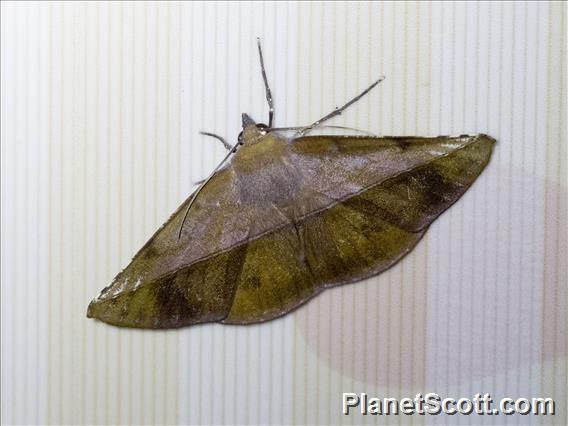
(258, 153)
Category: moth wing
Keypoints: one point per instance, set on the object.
(339, 166)
(384, 193)
(180, 280)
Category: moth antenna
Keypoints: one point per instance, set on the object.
(338, 111)
(266, 86)
(326, 127)
(226, 144)
(204, 182)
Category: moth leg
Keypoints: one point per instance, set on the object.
(226, 144)
(232, 150)
(338, 111)
(266, 86)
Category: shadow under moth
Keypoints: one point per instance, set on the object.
(286, 215)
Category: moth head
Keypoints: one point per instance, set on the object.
(252, 132)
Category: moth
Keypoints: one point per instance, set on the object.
(286, 215)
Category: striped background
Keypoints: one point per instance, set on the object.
(101, 108)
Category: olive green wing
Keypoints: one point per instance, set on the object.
(284, 269)
(339, 166)
(361, 234)
(176, 280)
(191, 294)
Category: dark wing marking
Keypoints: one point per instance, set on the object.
(201, 292)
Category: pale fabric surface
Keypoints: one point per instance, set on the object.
(101, 108)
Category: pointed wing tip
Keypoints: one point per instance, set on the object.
(485, 140)
(92, 309)
(486, 136)
(99, 309)
(476, 138)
